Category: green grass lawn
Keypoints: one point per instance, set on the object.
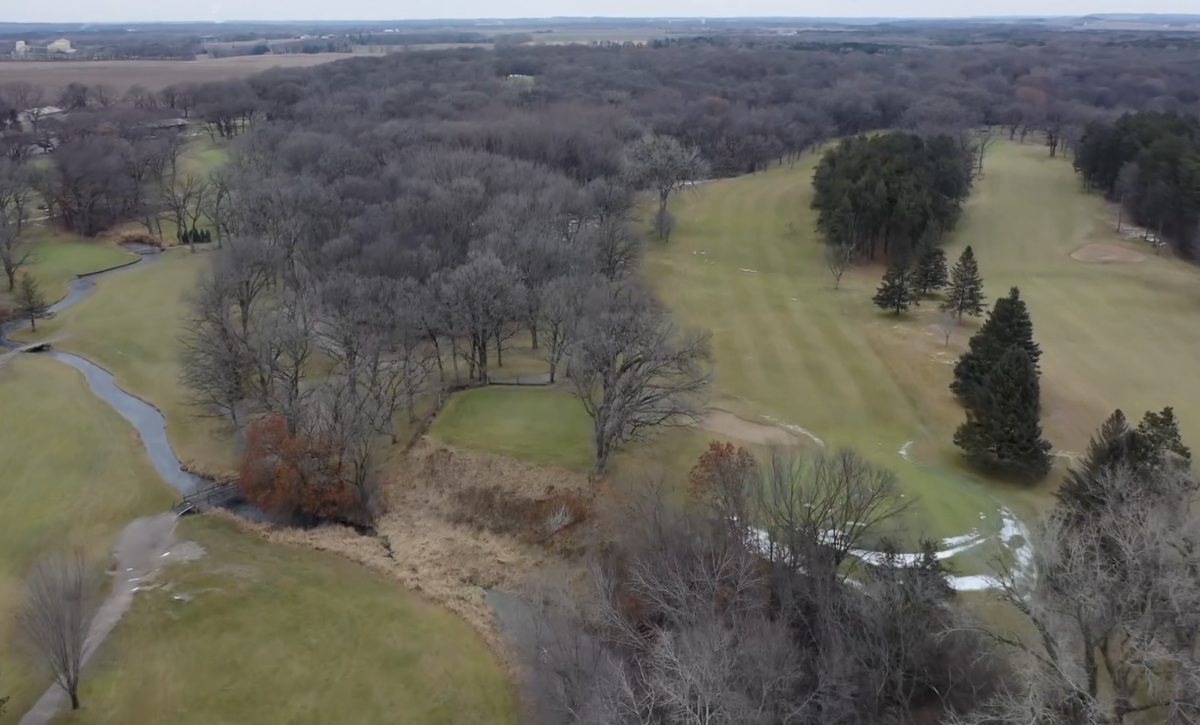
(745, 263)
(130, 326)
(202, 156)
(264, 633)
(545, 425)
(58, 258)
(72, 473)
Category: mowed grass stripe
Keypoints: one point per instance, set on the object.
(829, 361)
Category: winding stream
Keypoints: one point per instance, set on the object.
(145, 418)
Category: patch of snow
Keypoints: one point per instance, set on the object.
(973, 583)
(796, 429)
(753, 271)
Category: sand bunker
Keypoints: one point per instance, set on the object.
(1106, 254)
(727, 424)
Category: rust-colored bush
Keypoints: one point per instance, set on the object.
(295, 476)
(720, 477)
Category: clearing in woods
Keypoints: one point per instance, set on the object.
(746, 263)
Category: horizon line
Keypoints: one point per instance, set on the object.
(550, 18)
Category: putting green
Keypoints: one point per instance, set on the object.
(746, 264)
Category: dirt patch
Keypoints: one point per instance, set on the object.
(1106, 254)
(722, 422)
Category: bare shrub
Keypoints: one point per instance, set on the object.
(838, 258)
(499, 511)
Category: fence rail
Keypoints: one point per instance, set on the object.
(216, 494)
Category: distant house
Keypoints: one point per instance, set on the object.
(168, 124)
(33, 116)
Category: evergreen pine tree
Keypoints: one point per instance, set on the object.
(1082, 487)
(894, 293)
(965, 295)
(30, 301)
(1007, 324)
(1003, 432)
(931, 269)
(1155, 442)
(1162, 436)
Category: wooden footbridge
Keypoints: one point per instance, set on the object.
(218, 493)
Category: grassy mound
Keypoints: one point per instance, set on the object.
(544, 425)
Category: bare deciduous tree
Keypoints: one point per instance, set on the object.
(184, 201)
(16, 204)
(53, 619)
(664, 224)
(946, 323)
(485, 297)
(685, 623)
(664, 165)
(614, 247)
(559, 313)
(1115, 601)
(215, 205)
(817, 510)
(634, 370)
(838, 258)
(984, 140)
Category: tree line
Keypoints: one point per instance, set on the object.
(887, 194)
(1149, 163)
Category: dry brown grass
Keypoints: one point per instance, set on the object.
(444, 551)
(153, 74)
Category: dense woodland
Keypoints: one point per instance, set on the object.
(1150, 164)
(404, 217)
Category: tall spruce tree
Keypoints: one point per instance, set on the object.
(1162, 436)
(1007, 324)
(1003, 432)
(894, 293)
(931, 272)
(965, 295)
(1155, 443)
(30, 301)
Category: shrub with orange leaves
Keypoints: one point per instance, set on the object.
(720, 479)
(295, 476)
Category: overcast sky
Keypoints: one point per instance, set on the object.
(153, 10)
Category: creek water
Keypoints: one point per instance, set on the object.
(145, 418)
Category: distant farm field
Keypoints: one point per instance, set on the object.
(154, 74)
